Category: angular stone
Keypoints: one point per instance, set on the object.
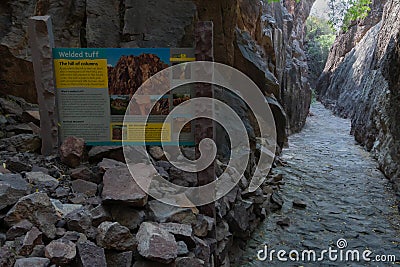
(14, 164)
(36, 208)
(78, 198)
(182, 248)
(32, 262)
(38, 251)
(21, 128)
(72, 151)
(4, 170)
(162, 212)
(42, 181)
(127, 216)
(89, 254)
(7, 257)
(79, 220)
(31, 116)
(62, 192)
(181, 232)
(203, 250)
(182, 178)
(32, 239)
(277, 199)
(11, 107)
(164, 164)
(98, 153)
(61, 251)
(162, 172)
(64, 209)
(187, 261)
(19, 229)
(84, 187)
(112, 235)
(239, 218)
(120, 187)
(74, 237)
(119, 259)
(106, 164)
(203, 225)
(156, 152)
(84, 173)
(156, 244)
(222, 230)
(35, 129)
(36, 168)
(23, 142)
(99, 215)
(12, 188)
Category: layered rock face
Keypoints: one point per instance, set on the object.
(364, 84)
(263, 40)
(131, 72)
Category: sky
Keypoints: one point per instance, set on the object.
(320, 9)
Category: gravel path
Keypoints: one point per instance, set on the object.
(346, 197)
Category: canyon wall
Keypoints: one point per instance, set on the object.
(263, 40)
(361, 82)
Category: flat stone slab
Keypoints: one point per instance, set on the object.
(120, 187)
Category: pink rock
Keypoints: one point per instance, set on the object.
(72, 151)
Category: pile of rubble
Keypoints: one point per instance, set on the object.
(82, 208)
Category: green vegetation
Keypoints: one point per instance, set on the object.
(319, 39)
(343, 12)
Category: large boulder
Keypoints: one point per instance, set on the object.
(112, 235)
(61, 251)
(42, 181)
(120, 187)
(72, 151)
(31, 239)
(79, 220)
(12, 188)
(90, 255)
(36, 208)
(162, 212)
(156, 244)
(19, 229)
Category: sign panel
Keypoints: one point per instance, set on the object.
(95, 86)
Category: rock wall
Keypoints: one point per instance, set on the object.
(363, 84)
(265, 41)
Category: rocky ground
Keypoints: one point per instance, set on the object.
(82, 208)
(332, 190)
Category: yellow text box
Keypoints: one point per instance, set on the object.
(141, 132)
(82, 73)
